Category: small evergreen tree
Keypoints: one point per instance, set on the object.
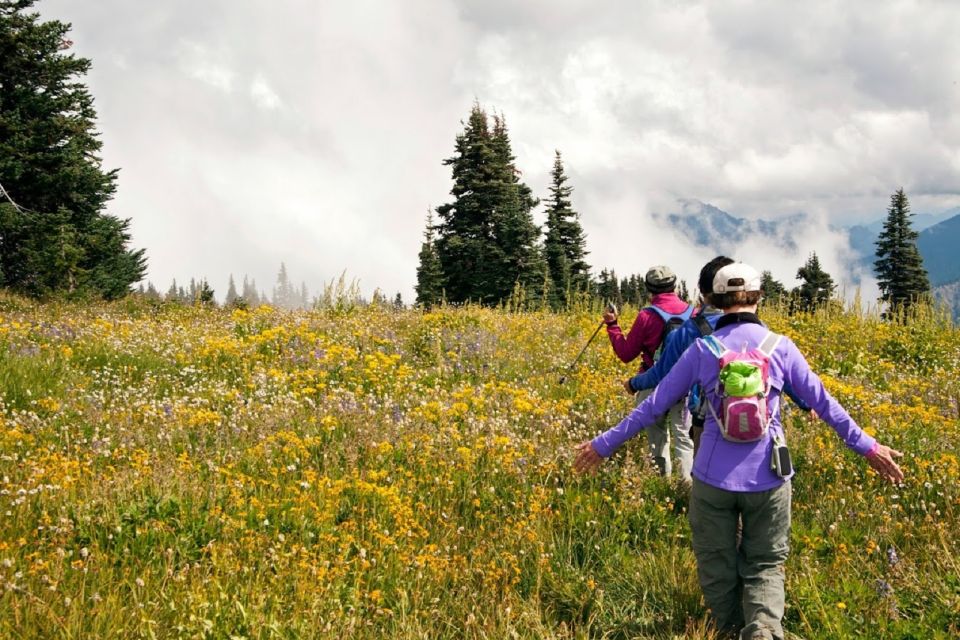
(205, 294)
(817, 285)
(565, 243)
(899, 265)
(608, 289)
(683, 292)
(231, 292)
(429, 286)
(250, 294)
(773, 290)
(173, 294)
(284, 295)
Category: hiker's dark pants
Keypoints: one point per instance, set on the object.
(743, 587)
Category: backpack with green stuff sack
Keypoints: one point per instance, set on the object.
(743, 385)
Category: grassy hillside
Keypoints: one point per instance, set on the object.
(177, 472)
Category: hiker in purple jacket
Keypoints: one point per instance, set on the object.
(743, 585)
(643, 340)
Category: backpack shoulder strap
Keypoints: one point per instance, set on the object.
(703, 325)
(715, 346)
(770, 343)
(666, 316)
(660, 312)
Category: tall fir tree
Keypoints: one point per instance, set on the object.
(469, 258)
(899, 265)
(565, 245)
(817, 287)
(429, 286)
(54, 234)
(514, 230)
(486, 240)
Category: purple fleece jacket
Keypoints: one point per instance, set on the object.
(728, 465)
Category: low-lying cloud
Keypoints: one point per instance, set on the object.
(313, 133)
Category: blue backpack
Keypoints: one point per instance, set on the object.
(671, 321)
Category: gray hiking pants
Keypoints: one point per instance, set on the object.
(743, 586)
(674, 425)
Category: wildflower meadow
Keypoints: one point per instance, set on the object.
(170, 471)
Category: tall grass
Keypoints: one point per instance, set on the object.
(366, 472)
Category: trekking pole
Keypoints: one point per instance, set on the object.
(612, 309)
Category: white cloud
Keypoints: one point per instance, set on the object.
(263, 95)
(314, 132)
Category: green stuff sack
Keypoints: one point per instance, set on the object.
(741, 379)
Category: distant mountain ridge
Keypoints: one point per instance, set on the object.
(708, 226)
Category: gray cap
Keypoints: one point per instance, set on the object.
(737, 277)
(660, 277)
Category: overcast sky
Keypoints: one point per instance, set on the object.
(250, 133)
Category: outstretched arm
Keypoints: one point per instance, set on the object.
(668, 393)
(809, 388)
(677, 343)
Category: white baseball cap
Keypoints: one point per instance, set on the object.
(736, 277)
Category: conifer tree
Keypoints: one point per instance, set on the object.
(899, 265)
(284, 295)
(54, 234)
(514, 230)
(429, 286)
(171, 295)
(249, 293)
(772, 290)
(303, 298)
(817, 285)
(231, 292)
(608, 289)
(469, 258)
(486, 240)
(565, 243)
(204, 294)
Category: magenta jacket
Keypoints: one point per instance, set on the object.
(727, 465)
(644, 336)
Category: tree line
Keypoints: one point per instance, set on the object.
(484, 246)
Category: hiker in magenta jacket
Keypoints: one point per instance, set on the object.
(743, 584)
(643, 340)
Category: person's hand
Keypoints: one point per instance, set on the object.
(609, 316)
(881, 459)
(812, 416)
(628, 388)
(587, 460)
